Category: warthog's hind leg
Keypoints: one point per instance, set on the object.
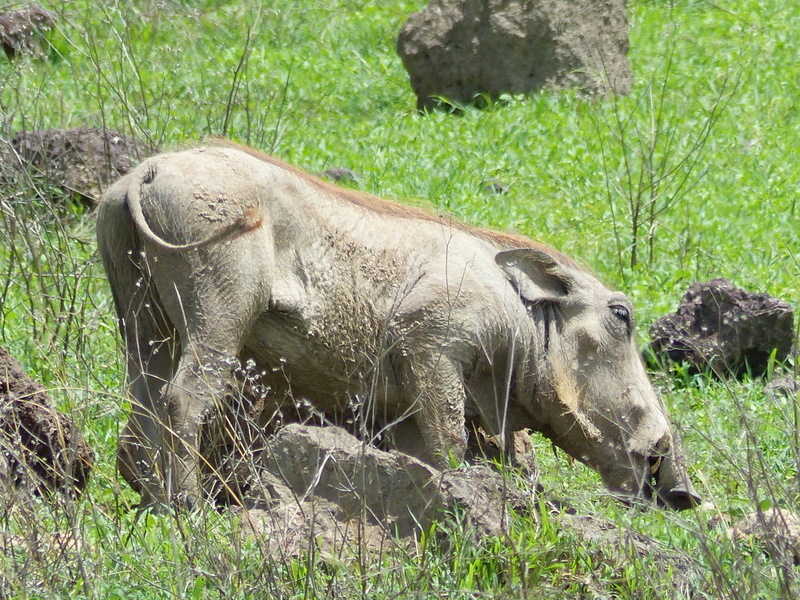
(140, 447)
(194, 396)
(212, 316)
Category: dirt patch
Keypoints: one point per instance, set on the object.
(42, 449)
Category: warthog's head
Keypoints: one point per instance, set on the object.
(592, 396)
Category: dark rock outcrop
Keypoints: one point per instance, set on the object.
(725, 328)
(42, 449)
(21, 31)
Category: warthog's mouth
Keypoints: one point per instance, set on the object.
(670, 489)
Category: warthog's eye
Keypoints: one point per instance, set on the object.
(622, 314)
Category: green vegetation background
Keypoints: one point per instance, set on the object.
(697, 170)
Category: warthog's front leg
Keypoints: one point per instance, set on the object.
(433, 385)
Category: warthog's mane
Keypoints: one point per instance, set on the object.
(382, 206)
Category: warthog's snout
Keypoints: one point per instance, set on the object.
(670, 482)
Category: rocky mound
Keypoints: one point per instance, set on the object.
(22, 30)
(83, 161)
(776, 530)
(322, 489)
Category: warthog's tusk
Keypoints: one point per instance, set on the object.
(655, 466)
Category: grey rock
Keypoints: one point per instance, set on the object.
(776, 530)
(390, 489)
(608, 543)
(494, 186)
(462, 49)
(340, 174)
(787, 386)
(322, 489)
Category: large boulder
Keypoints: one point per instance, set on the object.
(82, 161)
(41, 449)
(463, 49)
(343, 484)
(725, 328)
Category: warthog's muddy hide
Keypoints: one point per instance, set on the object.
(409, 323)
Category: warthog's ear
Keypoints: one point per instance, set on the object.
(536, 274)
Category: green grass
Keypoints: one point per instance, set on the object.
(318, 83)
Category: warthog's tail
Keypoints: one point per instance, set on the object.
(249, 220)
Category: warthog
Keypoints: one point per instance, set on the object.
(219, 256)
